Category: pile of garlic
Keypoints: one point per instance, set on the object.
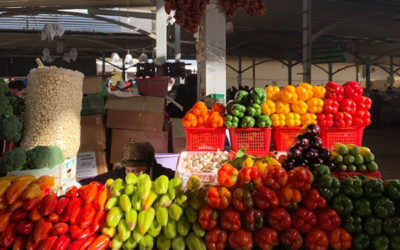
(53, 109)
(204, 162)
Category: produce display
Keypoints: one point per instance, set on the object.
(352, 158)
(10, 108)
(188, 13)
(245, 111)
(253, 8)
(200, 117)
(203, 162)
(53, 109)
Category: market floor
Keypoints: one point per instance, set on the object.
(384, 143)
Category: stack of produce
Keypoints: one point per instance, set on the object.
(352, 158)
(246, 110)
(10, 108)
(308, 150)
(147, 214)
(200, 117)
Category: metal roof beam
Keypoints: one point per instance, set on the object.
(136, 14)
(75, 3)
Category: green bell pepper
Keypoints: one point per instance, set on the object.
(137, 235)
(147, 243)
(162, 215)
(328, 186)
(392, 189)
(373, 225)
(191, 214)
(174, 187)
(144, 186)
(154, 229)
(392, 225)
(183, 226)
(182, 200)
(362, 207)
(178, 243)
(145, 220)
(352, 187)
(232, 121)
(163, 243)
(130, 243)
(395, 242)
(116, 243)
(320, 170)
(247, 122)
(242, 97)
(123, 230)
(383, 207)
(161, 184)
(195, 243)
(342, 204)
(258, 95)
(380, 242)
(170, 229)
(361, 241)
(353, 224)
(373, 188)
(136, 201)
(175, 212)
(254, 110)
(264, 121)
(237, 110)
(163, 201)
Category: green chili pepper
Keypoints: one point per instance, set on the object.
(198, 231)
(163, 201)
(112, 202)
(361, 241)
(161, 184)
(342, 204)
(137, 235)
(195, 243)
(123, 230)
(131, 178)
(373, 188)
(116, 243)
(130, 243)
(258, 95)
(182, 200)
(131, 218)
(353, 224)
(114, 216)
(328, 186)
(162, 215)
(383, 207)
(117, 187)
(136, 201)
(380, 242)
(373, 226)
(125, 203)
(247, 122)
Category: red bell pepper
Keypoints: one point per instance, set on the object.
(339, 238)
(348, 105)
(331, 106)
(88, 193)
(300, 178)
(342, 120)
(304, 219)
(218, 197)
(216, 239)
(87, 214)
(361, 119)
(289, 197)
(317, 239)
(48, 243)
(41, 230)
(328, 218)
(207, 217)
(60, 228)
(265, 198)
(250, 177)
(352, 90)
(334, 91)
(325, 120)
(25, 227)
(8, 237)
(240, 239)
(100, 243)
(61, 204)
(313, 200)
(62, 242)
(227, 175)
(48, 204)
(230, 219)
(363, 103)
(291, 239)
(276, 177)
(266, 238)
(253, 219)
(242, 199)
(279, 219)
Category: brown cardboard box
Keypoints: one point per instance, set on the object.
(120, 137)
(178, 136)
(144, 113)
(92, 84)
(93, 133)
(90, 164)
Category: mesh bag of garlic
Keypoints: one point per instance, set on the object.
(53, 109)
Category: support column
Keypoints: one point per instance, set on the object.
(358, 73)
(307, 42)
(161, 41)
(123, 69)
(178, 54)
(330, 74)
(211, 54)
(368, 69)
(391, 71)
(103, 65)
(240, 72)
(254, 72)
(290, 65)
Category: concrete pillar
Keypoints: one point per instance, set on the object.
(307, 42)
(161, 32)
(240, 71)
(330, 73)
(254, 72)
(177, 48)
(290, 66)
(211, 54)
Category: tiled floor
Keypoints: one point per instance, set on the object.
(385, 144)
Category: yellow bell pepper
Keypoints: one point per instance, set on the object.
(278, 120)
(268, 107)
(272, 93)
(315, 105)
(288, 94)
(249, 162)
(293, 120)
(299, 107)
(261, 166)
(304, 91)
(319, 91)
(282, 108)
(308, 118)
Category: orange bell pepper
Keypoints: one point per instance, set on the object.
(288, 196)
(300, 178)
(215, 120)
(276, 177)
(218, 107)
(339, 238)
(218, 197)
(288, 94)
(304, 91)
(282, 107)
(227, 175)
(272, 93)
(200, 109)
(319, 91)
(189, 120)
(268, 107)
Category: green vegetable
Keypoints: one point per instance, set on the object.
(362, 168)
(114, 216)
(182, 200)
(130, 243)
(320, 170)
(247, 122)
(147, 243)
(351, 168)
(242, 97)
(198, 231)
(174, 187)
(161, 184)
(178, 243)
(117, 187)
(373, 226)
(18, 105)
(258, 95)
(368, 156)
(162, 215)
(353, 224)
(155, 229)
(112, 202)
(131, 218)
(191, 214)
(129, 189)
(380, 242)
(6, 109)
(175, 212)
(44, 157)
(137, 235)
(14, 160)
(348, 159)
(383, 207)
(342, 167)
(116, 243)
(170, 229)
(362, 207)
(373, 188)
(3, 87)
(395, 242)
(264, 121)
(237, 110)
(354, 150)
(361, 241)
(125, 203)
(338, 159)
(10, 129)
(352, 187)
(231, 121)
(123, 230)
(136, 201)
(145, 220)
(392, 189)
(341, 148)
(163, 201)
(163, 243)
(254, 110)
(183, 226)
(144, 186)
(131, 178)
(359, 159)
(195, 243)
(372, 166)
(342, 204)
(392, 225)
(328, 186)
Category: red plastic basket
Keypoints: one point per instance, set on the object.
(256, 141)
(330, 136)
(284, 137)
(205, 139)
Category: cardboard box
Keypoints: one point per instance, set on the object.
(120, 137)
(91, 164)
(92, 84)
(144, 113)
(93, 133)
(178, 136)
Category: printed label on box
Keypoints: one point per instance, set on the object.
(86, 165)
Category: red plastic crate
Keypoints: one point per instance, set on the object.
(205, 139)
(285, 137)
(256, 141)
(330, 136)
